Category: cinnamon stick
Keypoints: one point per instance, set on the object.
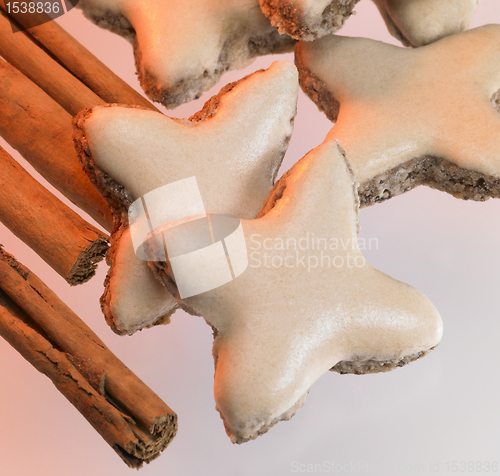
(77, 59)
(127, 413)
(41, 130)
(22, 53)
(63, 239)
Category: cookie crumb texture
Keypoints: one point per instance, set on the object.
(249, 430)
(434, 172)
(362, 366)
(307, 20)
(316, 89)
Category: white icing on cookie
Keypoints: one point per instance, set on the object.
(420, 22)
(182, 48)
(234, 153)
(298, 310)
(398, 104)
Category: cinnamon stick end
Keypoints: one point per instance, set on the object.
(147, 448)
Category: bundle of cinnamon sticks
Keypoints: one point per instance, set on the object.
(45, 78)
(135, 422)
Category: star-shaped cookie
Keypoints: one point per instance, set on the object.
(307, 303)
(307, 19)
(182, 48)
(412, 116)
(420, 22)
(233, 147)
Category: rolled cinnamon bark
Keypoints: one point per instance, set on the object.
(41, 130)
(63, 239)
(127, 413)
(22, 53)
(77, 59)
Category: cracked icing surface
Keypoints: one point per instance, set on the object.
(279, 327)
(407, 117)
(182, 48)
(420, 22)
(233, 147)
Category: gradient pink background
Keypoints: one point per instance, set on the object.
(441, 409)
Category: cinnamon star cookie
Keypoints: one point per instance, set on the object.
(420, 22)
(307, 19)
(307, 303)
(182, 48)
(233, 148)
(412, 116)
